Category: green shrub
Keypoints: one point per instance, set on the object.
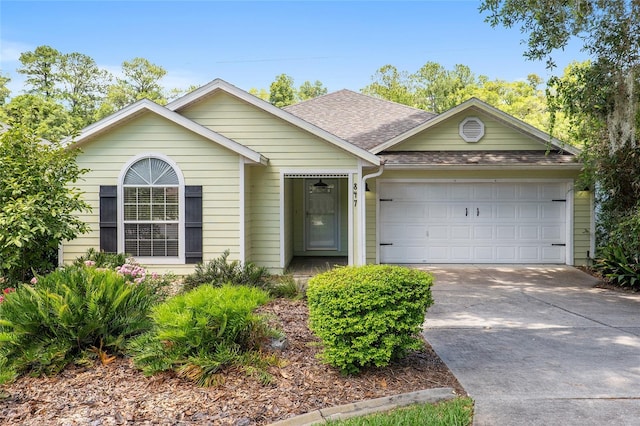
(100, 259)
(619, 258)
(198, 333)
(368, 315)
(67, 313)
(221, 271)
(619, 266)
(285, 286)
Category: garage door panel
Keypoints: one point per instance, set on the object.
(461, 253)
(507, 253)
(553, 233)
(506, 211)
(461, 232)
(528, 232)
(528, 211)
(473, 222)
(483, 232)
(506, 232)
(437, 211)
(403, 232)
(483, 253)
(529, 254)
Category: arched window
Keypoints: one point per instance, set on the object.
(151, 209)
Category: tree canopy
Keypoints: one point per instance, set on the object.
(600, 97)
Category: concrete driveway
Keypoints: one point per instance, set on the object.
(538, 345)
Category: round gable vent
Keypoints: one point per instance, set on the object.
(471, 129)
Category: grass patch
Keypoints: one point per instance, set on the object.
(454, 412)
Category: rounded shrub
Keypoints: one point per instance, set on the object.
(368, 315)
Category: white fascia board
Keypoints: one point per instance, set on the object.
(147, 105)
(219, 84)
(488, 109)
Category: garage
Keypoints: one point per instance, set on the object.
(473, 222)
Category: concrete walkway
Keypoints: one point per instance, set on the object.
(538, 345)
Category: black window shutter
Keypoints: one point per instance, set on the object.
(193, 224)
(109, 218)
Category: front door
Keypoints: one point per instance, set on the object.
(321, 214)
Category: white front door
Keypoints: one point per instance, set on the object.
(321, 214)
(473, 222)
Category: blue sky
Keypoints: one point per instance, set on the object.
(248, 44)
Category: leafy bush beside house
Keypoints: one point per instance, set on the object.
(368, 315)
(39, 205)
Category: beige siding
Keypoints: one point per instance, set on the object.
(201, 162)
(286, 146)
(582, 232)
(582, 206)
(445, 137)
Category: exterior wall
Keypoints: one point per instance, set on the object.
(201, 162)
(445, 137)
(582, 227)
(582, 209)
(287, 147)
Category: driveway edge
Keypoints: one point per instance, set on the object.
(371, 406)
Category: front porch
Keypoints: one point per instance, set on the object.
(312, 265)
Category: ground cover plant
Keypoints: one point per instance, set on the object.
(368, 315)
(198, 333)
(70, 314)
(454, 412)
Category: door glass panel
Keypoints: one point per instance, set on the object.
(322, 214)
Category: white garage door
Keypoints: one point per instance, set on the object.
(472, 222)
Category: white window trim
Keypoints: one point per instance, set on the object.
(180, 259)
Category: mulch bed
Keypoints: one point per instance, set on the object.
(118, 394)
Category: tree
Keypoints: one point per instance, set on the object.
(39, 204)
(392, 85)
(310, 90)
(43, 117)
(610, 33)
(438, 89)
(84, 86)
(282, 92)
(601, 97)
(41, 68)
(260, 93)
(141, 81)
(4, 90)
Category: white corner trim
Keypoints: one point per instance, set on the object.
(241, 206)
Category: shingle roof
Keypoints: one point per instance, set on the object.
(363, 120)
(482, 158)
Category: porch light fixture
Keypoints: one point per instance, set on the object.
(320, 184)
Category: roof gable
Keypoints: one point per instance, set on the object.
(362, 120)
(220, 85)
(145, 105)
(475, 104)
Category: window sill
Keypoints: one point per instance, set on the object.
(174, 260)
